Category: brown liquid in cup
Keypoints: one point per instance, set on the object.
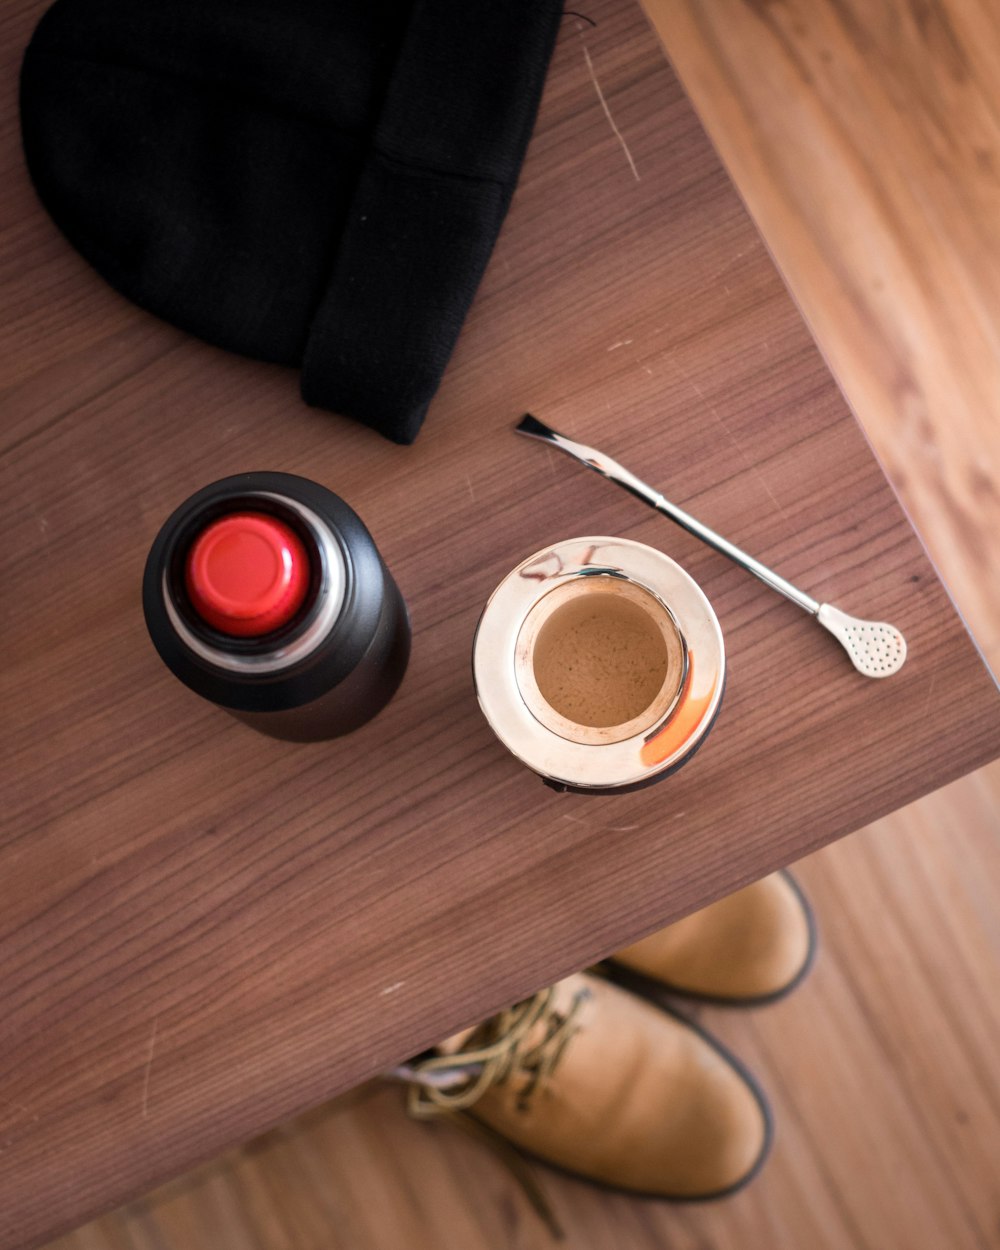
(600, 660)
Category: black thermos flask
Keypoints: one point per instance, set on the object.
(265, 594)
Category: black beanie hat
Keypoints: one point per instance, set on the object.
(313, 182)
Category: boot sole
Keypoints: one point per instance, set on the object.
(652, 988)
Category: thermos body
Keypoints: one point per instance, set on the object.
(265, 593)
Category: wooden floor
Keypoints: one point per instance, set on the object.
(866, 140)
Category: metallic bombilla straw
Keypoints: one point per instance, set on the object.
(875, 648)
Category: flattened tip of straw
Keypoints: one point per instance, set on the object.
(532, 426)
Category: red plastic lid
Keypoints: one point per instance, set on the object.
(247, 574)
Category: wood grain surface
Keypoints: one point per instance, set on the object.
(204, 931)
(869, 156)
(881, 1071)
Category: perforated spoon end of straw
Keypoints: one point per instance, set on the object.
(875, 648)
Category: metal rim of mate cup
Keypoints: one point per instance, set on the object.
(600, 664)
(327, 638)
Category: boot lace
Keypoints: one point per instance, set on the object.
(499, 1049)
(447, 1085)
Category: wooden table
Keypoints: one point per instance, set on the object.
(203, 931)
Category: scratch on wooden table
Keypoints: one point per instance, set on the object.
(930, 696)
(729, 434)
(620, 343)
(607, 113)
(18, 1106)
(472, 493)
(716, 274)
(149, 1068)
(391, 989)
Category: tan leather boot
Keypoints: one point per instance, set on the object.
(606, 1085)
(749, 948)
